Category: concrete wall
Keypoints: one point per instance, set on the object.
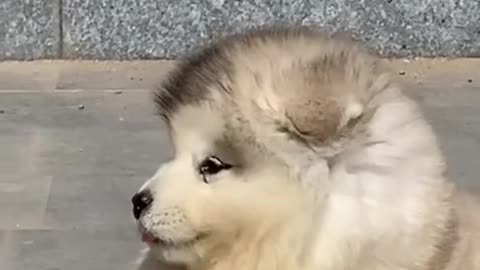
(138, 29)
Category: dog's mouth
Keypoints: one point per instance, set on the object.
(152, 240)
(149, 239)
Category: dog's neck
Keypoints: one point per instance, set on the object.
(279, 247)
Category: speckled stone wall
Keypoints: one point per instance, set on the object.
(29, 29)
(126, 29)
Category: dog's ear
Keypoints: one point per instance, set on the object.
(321, 100)
(315, 103)
(321, 118)
(317, 100)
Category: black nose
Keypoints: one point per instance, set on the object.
(141, 201)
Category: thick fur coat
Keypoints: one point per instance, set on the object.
(296, 150)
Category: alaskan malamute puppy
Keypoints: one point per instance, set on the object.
(295, 150)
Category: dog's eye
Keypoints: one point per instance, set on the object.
(212, 165)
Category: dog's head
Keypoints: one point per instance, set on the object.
(249, 120)
(219, 188)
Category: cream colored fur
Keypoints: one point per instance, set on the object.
(334, 169)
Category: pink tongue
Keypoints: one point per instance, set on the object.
(149, 239)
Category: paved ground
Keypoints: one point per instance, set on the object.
(78, 138)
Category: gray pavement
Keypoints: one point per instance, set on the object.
(78, 138)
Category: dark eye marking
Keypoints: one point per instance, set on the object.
(211, 166)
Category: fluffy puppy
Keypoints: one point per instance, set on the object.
(294, 150)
